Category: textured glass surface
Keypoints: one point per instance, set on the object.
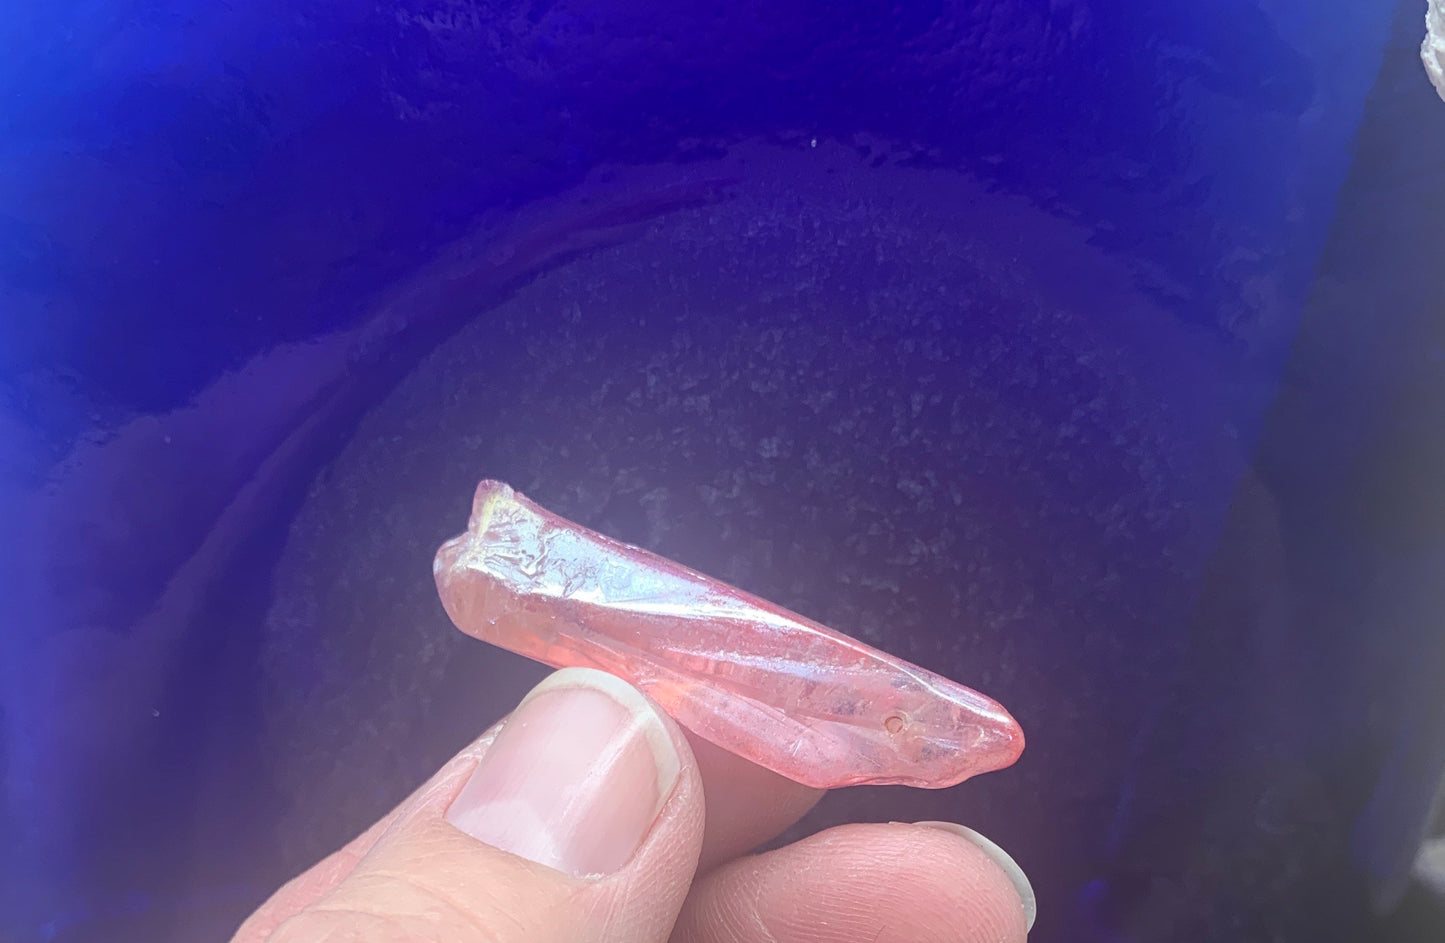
(770, 685)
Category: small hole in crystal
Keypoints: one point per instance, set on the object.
(894, 724)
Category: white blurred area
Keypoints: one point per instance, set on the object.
(1432, 51)
(1430, 866)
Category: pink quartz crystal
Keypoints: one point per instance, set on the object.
(767, 684)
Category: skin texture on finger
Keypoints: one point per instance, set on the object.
(746, 804)
(425, 878)
(309, 887)
(874, 883)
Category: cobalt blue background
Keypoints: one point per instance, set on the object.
(1086, 352)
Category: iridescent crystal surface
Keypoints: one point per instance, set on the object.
(781, 690)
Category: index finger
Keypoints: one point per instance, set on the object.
(746, 804)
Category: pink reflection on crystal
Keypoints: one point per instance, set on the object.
(781, 690)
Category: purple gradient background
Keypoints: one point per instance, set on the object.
(1089, 353)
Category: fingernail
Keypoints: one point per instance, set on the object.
(575, 778)
(1001, 858)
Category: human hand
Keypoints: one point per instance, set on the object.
(580, 819)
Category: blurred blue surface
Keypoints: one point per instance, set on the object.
(1088, 352)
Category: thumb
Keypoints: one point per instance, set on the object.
(581, 822)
